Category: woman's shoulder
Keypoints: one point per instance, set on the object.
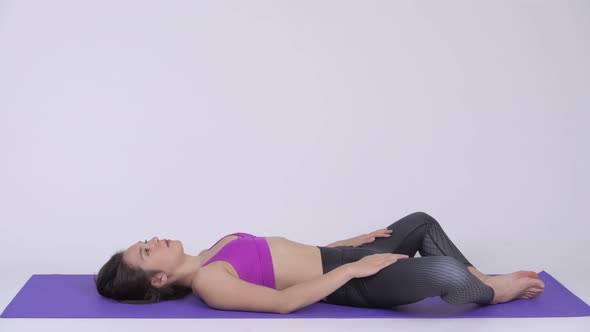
(212, 275)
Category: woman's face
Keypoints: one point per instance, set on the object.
(155, 255)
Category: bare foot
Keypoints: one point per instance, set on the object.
(520, 274)
(530, 274)
(520, 284)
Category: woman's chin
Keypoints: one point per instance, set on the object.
(178, 243)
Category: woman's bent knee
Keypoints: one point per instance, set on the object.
(422, 217)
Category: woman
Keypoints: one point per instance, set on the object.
(273, 274)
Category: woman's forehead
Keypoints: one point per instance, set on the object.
(132, 254)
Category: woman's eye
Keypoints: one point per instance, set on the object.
(146, 249)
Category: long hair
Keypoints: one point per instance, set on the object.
(124, 283)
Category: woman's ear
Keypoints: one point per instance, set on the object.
(159, 279)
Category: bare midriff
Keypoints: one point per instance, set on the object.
(293, 262)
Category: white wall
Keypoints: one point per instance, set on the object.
(312, 120)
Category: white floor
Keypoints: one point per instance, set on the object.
(576, 284)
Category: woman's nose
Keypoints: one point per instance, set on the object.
(155, 240)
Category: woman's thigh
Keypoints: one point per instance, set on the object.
(411, 280)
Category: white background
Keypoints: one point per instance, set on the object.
(313, 120)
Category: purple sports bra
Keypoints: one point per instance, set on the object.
(250, 256)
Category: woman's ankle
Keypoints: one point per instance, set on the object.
(481, 276)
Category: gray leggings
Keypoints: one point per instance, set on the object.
(441, 271)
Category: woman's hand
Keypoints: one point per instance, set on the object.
(372, 264)
(367, 238)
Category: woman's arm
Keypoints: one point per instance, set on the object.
(222, 290)
(309, 292)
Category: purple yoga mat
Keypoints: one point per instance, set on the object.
(75, 296)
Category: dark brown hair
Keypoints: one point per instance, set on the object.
(119, 281)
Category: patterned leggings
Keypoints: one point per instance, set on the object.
(441, 271)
